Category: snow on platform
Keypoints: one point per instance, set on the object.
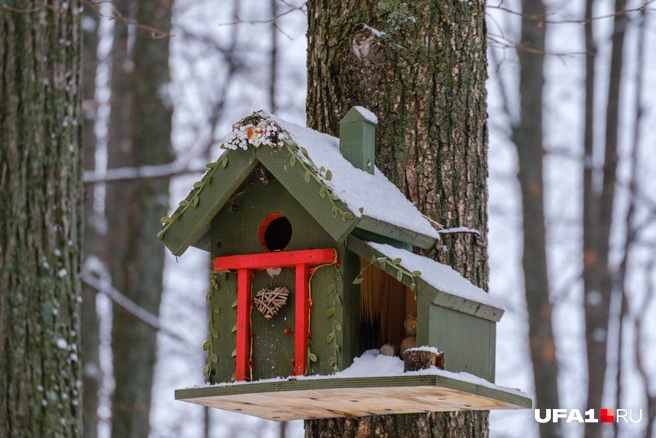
(373, 385)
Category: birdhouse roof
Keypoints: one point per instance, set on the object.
(438, 283)
(339, 196)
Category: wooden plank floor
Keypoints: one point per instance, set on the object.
(352, 397)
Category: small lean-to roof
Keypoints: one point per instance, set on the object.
(338, 195)
(438, 282)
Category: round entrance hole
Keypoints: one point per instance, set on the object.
(275, 232)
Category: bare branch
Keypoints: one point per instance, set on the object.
(154, 33)
(543, 18)
(272, 19)
(139, 173)
(128, 305)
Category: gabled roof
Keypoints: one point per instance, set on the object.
(309, 165)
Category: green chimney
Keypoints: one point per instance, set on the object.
(357, 138)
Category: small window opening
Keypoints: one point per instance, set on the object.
(275, 232)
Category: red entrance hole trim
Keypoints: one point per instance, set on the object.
(263, 228)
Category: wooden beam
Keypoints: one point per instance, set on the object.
(280, 259)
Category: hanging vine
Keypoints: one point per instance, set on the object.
(214, 308)
(194, 196)
(336, 325)
(324, 190)
(394, 264)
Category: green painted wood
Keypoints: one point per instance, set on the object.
(348, 311)
(235, 231)
(293, 179)
(396, 233)
(368, 236)
(357, 140)
(468, 342)
(224, 323)
(359, 382)
(193, 222)
(434, 295)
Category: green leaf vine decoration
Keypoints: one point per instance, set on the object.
(319, 174)
(194, 197)
(394, 264)
(336, 325)
(312, 172)
(214, 308)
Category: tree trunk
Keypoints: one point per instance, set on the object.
(90, 323)
(41, 226)
(597, 220)
(421, 68)
(140, 129)
(527, 136)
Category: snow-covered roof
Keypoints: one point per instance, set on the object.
(367, 114)
(368, 202)
(441, 277)
(366, 195)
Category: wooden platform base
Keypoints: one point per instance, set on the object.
(352, 397)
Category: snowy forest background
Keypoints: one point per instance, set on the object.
(232, 57)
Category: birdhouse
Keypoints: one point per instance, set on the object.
(313, 270)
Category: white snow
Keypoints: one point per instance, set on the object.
(378, 33)
(364, 111)
(61, 343)
(374, 364)
(431, 349)
(441, 277)
(459, 230)
(375, 194)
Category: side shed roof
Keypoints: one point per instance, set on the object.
(440, 283)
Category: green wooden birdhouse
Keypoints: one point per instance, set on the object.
(312, 266)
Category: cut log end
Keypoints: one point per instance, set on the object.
(416, 360)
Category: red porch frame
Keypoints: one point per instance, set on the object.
(245, 265)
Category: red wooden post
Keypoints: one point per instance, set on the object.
(302, 329)
(243, 323)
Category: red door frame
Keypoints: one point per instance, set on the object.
(245, 265)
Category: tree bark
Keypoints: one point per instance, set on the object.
(41, 226)
(90, 323)
(139, 134)
(421, 68)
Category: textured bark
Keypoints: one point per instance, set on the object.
(40, 230)
(527, 136)
(140, 128)
(90, 324)
(424, 76)
(597, 219)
